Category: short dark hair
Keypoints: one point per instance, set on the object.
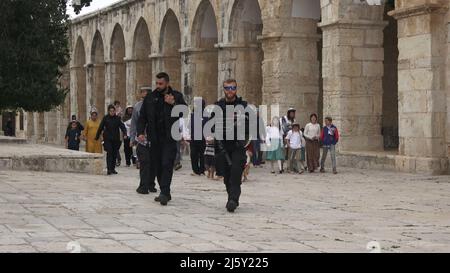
(116, 102)
(74, 117)
(330, 119)
(313, 115)
(163, 75)
(111, 107)
(230, 81)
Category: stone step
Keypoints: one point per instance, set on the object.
(43, 158)
(12, 140)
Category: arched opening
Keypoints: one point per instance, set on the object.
(245, 27)
(142, 48)
(169, 46)
(306, 82)
(80, 73)
(98, 74)
(205, 57)
(390, 126)
(118, 67)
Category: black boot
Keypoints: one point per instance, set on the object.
(158, 198)
(232, 205)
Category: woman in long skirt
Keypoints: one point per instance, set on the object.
(312, 136)
(274, 144)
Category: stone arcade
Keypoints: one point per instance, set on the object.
(380, 70)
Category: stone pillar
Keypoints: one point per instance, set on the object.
(131, 65)
(422, 32)
(243, 63)
(201, 74)
(90, 86)
(73, 90)
(291, 69)
(353, 57)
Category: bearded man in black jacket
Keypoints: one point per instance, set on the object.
(156, 118)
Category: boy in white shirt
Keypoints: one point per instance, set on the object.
(294, 142)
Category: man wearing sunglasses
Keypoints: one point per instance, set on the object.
(156, 120)
(231, 157)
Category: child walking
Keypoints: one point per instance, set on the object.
(210, 162)
(274, 143)
(329, 137)
(73, 137)
(294, 142)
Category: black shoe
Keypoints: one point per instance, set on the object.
(109, 173)
(158, 198)
(232, 205)
(114, 172)
(142, 191)
(163, 200)
(153, 190)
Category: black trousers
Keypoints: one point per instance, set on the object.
(112, 149)
(198, 157)
(233, 174)
(128, 152)
(147, 169)
(163, 156)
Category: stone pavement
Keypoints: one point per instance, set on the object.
(43, 212)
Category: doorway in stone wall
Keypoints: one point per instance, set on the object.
(390, 118)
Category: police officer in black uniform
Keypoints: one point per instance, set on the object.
(156, 118)
(230, 153)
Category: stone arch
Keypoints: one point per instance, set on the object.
(97, 76)
(142, 48)
(80, 81)
(204, 59)
(118, 74)
(169, 46)
(245, 55)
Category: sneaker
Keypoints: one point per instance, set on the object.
(231, 206)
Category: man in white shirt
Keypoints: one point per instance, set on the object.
(294, 142)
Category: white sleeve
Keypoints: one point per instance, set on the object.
(289, 135)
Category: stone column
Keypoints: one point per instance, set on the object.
(422, 32)
(131, 65)
(291, 70)
(201, 74)
(353, 57)
(73, 90)
(242, 62)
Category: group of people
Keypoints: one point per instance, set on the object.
(287, 142)
(95, 128)
(148, 127)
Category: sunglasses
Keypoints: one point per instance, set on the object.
(230, 88)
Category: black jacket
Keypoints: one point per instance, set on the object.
(111, 126)
(156, 116)
(223, 105)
